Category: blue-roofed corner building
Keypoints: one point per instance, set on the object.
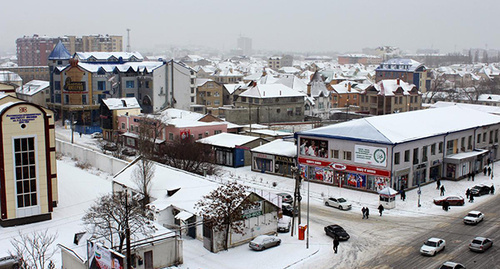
(407, 70)
(399, 150)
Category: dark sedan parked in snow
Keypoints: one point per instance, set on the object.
(479, 190)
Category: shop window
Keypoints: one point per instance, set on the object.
(347, 155)
(396, 158)
(407, 156)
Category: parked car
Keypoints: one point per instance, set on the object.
(338, 202)
(432, 246)
(480, 244)
(285, 197)
(452, 200)
(284, 224)
(96, 135)
(128, 152)
(288, 210)
(10, 262)
(335, 230)
(452, 265)
(473, 217)
(262, 242)
(110, 147)
(479, 190)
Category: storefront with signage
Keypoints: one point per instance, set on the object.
(262, 162)
(276, 157)
(344, 175)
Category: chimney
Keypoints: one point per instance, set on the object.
(349, 87)
(309, 89)
(398, 80)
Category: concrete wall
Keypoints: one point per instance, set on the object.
(95, 158)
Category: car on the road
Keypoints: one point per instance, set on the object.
(452, 200)
(128, 152)
(284, 224)
(262, 242)
(10, 262)
(480, 244)
(288, 210)
(337, 202)
(473, 217)
(336, 230)
(452, 265)
(432, 246)
(285, 197)
(479, 190)
(96, 135)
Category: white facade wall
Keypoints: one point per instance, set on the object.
(180, 95)
(159, 95)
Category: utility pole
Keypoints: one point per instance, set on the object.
(127, 231)
(296, 196)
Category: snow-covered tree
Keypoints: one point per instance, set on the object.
(36, 249)
(143, 175)
(111, 214)
(222, 209)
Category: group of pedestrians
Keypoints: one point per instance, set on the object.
(487, 170)
(366, 212)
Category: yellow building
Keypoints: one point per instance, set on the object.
(28, 175)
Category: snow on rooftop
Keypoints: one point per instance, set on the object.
(103, 56)
(407, 126)
(278, 147)
(271, 132)
(8, 76)
(271, 91)
(227, 140)
(483, 108)
(121, 103)
(33, 87)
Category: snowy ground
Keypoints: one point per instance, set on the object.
(78, 189)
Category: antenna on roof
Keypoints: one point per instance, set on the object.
(128, 40)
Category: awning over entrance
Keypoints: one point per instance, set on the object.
(460, 157)
(184, 215)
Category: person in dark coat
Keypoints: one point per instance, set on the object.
(467, 193)
(471, 198)
(442, 190)
(484, 170)
(367, 212)
(335, 244)
(473, 175)
(469, 176)
(489, 171)
(492, 189)
(380, 209)
(446, 205)
(403, 194)
(364, 212)
(438, 183)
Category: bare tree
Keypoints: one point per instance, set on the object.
(112, 214)
(143, 176)
(222, 209)
(36, 249)
(188, 155)
(438, 84)
(149, 131)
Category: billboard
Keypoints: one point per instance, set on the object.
(313, 147)
(100, 257)
(370, 155)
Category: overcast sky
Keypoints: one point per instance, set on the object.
(285, 25)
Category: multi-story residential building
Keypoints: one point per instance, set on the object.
(210, 95)
(28, 177)
(347, 95)
(405, 69)
(227, 75)
(78, 87)
(29, 73)
(390, 96)
(111, 110)
(359, 59)
(180, 88)
(244, 44)
(318, 98)
(36, 92)
(34, 51)
(400, 151)
(277, 62)
(266, 103)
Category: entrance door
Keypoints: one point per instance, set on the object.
(148, 260)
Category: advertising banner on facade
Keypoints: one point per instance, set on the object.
(370, 155)
(100, 257)
(313, 147)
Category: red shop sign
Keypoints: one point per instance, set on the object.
(346, 167)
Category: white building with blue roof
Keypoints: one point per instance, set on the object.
(400, 150)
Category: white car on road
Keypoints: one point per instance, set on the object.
(338, 202)
(473, 217)
(432, 246)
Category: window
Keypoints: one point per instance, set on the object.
(347, 155)
(66, 99)
(433, 149)
(192, 81)
(469, 146)
(484, 137)
(216, 94)
(147, 84)
(171, 136)
(207, 133)
(217, 131)
(101, 85)
(407, 156)
(243, 99)
(84, 99)
(496, 136)
(449, 147)
(192, 89)
(130, 84)
(424, 153)
(57, 85)
(462, 143)
(25, 165)
(129, 95)
(440, 147)
(192, 99)
(415, 156)
(335, 153)
(478, 138)
(396, 157)
(123, 125)
(217, 102)
(491, 137)
(200, 136)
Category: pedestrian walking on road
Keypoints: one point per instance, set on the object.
(469, 176)
(403, 194)
(367, 212)
(438, 183)
(473, 175)
(467, 193)
(364, 212)
(380, 209)
(489, 171)
(484, 170)
(492, 189)
(442, 190)
(335, 244)
(471, 198)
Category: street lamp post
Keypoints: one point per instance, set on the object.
(419, 192)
